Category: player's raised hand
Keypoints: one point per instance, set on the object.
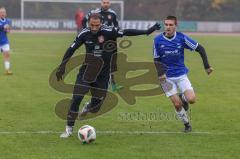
(156, 26)
(209, 70)
(166, 86)
(60, 72)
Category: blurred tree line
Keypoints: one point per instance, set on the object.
(193, 10)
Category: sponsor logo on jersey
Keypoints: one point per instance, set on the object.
(89, 42)
(109, 17)
(171, 52)
(96, 47)
(179, 46)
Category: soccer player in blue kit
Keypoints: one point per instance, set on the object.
(4, 43)
(172, 73)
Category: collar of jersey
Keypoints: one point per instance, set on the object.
(171, 38)
(2, 20)
(105, 10)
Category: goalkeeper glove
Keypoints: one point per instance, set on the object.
(156, 26)
(60, 72)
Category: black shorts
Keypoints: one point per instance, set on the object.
(90, 80)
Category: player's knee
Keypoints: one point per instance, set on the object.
(192, 99)
(6, 55)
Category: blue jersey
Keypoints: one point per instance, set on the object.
(171, 52)
(3, 33)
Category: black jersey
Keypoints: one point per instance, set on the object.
(101, 45)
(109, 17)
(98, 46)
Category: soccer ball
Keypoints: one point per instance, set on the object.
(87, 134)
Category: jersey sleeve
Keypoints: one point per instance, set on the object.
(70, 51)
(115, 21)
(189, 43)
(9, 22)
(117, 32)
(78, 41)
(1, 27)
(155, 51)
(85, 21)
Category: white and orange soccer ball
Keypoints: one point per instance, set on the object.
(87, 134)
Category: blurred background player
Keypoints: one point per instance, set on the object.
(79, 16)
(4, 43)
(169, 60)
(109, 18)
(93, 75)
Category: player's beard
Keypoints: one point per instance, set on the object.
(105, 9)
(94, 32)
(169, 33)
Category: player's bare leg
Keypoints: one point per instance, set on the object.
(6, 57)
(181, 113)
(190, 96)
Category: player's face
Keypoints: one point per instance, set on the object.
(170, 27)
(3, 13)
(105, 4)
(95, 25)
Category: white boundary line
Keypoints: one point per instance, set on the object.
(123, 132)
(146, 132)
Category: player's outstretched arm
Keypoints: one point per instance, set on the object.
(61, 69)
(135, 32)
(68, 54)
(200, 49)
(115, 21)
(160, 70)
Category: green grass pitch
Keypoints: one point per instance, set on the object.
(27, 107)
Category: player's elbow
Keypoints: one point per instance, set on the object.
(200, 48)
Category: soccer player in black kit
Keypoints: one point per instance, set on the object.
(109, 18)
(94, 73)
